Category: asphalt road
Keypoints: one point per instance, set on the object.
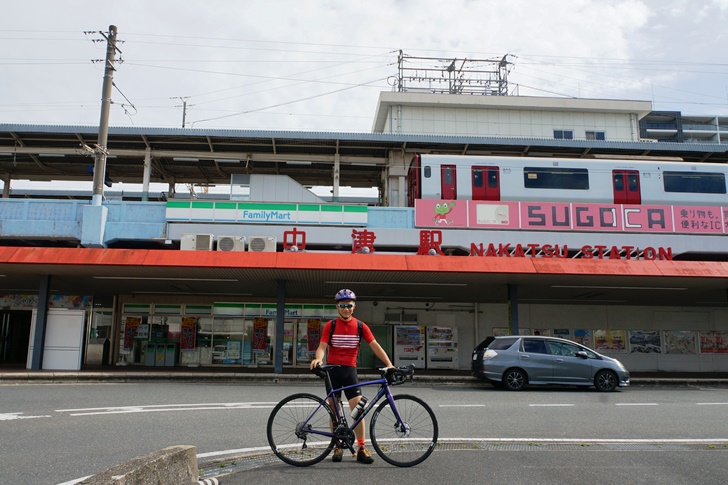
(60, 432)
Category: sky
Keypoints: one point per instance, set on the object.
(320, 65)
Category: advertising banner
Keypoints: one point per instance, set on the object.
(260, 332)
(188, 337)
(131, 324)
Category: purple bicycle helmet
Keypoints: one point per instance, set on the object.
(345, 295)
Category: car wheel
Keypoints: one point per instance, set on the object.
(605, 381)
(514, 379)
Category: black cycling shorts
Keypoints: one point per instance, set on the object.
(344, 375)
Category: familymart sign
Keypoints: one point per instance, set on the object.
(251, 213)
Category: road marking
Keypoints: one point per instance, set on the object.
(636, 404)
(712, 403)
(461, 405)
(551, 405)
(155, 408)
(13, 416)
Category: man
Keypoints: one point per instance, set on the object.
(343, 346)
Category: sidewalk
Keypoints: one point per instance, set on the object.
(266, 375)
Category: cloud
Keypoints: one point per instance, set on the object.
(320, 65)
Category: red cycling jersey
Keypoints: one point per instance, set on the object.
(344, 344)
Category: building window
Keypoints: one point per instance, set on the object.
(595, 135)
(564, 134)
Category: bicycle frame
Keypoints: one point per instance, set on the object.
(332, 396)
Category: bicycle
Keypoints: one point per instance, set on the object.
(303, 428)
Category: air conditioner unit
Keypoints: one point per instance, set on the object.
(262, 244)
(230, 243)
(196, 242)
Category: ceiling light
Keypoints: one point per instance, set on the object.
(184, 159)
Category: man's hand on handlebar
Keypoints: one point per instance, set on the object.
(315, 363)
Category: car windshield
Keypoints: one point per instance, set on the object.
(502, 343)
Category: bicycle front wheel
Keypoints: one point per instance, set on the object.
(405, 443)
(295, 428)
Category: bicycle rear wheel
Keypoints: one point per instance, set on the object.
(293, 428)
(407, 443)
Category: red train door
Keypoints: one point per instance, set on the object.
(448, 182)
(414, 183)
(486, 183)
(626, 185)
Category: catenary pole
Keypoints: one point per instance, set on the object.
(101, 152)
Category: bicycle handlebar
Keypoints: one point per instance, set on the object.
(394, 375)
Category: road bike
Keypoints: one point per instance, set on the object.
(303, 428)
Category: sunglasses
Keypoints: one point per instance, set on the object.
(346, 305)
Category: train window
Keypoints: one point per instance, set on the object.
(556, 178)
(493, 179)
(477, 177)
(427, 171)
(694, 182)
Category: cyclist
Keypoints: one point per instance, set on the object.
(343, 347)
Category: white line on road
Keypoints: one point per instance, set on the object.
(461, 405)
(152, 408)
(551, 405)
(712, 403)
(636, 404)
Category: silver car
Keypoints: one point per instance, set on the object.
(515, 361)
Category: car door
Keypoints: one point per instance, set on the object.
(568, 367)
(536, 361)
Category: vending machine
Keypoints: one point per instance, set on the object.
(409, 345)
(442, 348)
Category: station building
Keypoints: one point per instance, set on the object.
(241, 271)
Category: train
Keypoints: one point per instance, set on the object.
(576, 180)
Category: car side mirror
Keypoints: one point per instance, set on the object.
(582, 354)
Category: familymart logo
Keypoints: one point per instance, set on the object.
(266, 215)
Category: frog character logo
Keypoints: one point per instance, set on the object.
(442, 209)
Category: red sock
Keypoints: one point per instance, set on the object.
(360, 442)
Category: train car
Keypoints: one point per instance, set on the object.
(453, 177)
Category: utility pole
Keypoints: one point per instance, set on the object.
(101, 151)
(184, 107)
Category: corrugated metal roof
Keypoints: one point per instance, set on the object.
(369, 137)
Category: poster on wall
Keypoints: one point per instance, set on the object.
(313, 329)
(500, 331)
(583, 337)
(260, 332)
(131, 324)
(713, 342)
(564, 333)
(188, 335)
(680, 342)
(612, 341)
(645, 342)
(542, 331)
